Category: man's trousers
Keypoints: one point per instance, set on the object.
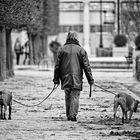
(72, 102)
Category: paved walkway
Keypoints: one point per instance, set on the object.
(48, 121)
(123, 76)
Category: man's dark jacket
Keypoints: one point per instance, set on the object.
(71, 61)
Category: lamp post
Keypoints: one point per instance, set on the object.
(101, 27)
(118, 17)
(86, 27)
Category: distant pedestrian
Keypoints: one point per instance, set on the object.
(26, 52)
(54, 46)
(72, 60)
(18, 50)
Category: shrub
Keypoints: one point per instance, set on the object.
(120, 40)
(137, 42)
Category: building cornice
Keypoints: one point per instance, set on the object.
(85, 0)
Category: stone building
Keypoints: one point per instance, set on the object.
(84, 16)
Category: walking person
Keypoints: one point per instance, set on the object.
(72, 60)
(18, 50)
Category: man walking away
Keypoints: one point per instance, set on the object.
(72, 60)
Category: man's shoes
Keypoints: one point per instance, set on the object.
(73, 119)
(68, 119)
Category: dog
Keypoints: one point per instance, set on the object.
(127, 103)
(5, 100)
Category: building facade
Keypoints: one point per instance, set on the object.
(87, 17)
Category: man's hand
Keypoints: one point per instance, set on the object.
(56, 85)
(92, 88)
(90, 92)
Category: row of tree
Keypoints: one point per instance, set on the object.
(130, 19)
(38, 17)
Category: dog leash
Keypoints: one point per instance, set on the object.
(55, 87)
(101, 88)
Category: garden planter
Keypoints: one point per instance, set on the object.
(103, 52)
(120, 51)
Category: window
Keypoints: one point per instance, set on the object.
(105, 28)
(108, 10)
(106, 6)
(77, 28)
(71, 6)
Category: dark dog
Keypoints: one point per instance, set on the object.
(127, 103)
(5, 100)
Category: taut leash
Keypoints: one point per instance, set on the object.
(55, 87)
(101, 88)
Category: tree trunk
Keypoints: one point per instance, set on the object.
(31, 61)
(37, 49)
(9, 54)
(44, 45)
(41, 37)
(1, 70)
(37, 45)
(33, 48)
(136, 63)
(137, 66)
(2, 53)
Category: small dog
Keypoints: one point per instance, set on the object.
(127, 103)
(5, 100)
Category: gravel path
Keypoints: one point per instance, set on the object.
(48, 121)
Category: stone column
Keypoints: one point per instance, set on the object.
(86, 27)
